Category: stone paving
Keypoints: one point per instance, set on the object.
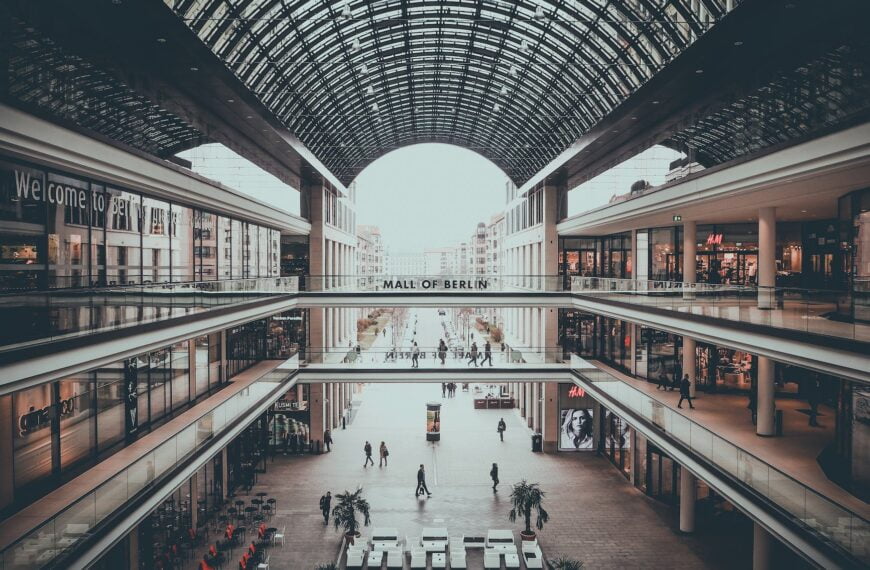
(596, 515)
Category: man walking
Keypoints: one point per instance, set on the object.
(472, 355)
(685, 387)
(493, 473)
(368, 449)
(421, 483)
(501, 427)
(487, 353)
(443, 389)
(327, 440)
(415, 356)
(325, 502)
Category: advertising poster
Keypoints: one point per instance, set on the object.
(577, 429)
(616, 434)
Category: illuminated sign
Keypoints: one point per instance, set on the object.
(576, 392)
(714, 239)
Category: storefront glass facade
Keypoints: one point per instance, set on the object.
(61, 428)
(60, 231)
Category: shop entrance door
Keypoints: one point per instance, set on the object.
(661, 475)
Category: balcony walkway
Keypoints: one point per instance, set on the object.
(793, 453)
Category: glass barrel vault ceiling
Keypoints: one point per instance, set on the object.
(516, 81)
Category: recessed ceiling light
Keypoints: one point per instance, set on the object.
(249, 117)
(803, 211)
(634, 118)
(161, 40)
(194, 69)
(116, 2)
(738, 43)
(231, 100)
(699, 71)
(655, 102)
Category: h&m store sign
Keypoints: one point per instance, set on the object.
(33, 189)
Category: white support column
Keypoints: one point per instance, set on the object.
(760, 548)
(766, 401)
(634, 256)
(688, 498)
(690, 255)
(766, 258)
(689, 345)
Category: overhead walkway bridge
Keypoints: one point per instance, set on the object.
(99, 511)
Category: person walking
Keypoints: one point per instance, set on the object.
(501, 428)
(444, 389)
(325, 503)
(493, 473)
(421, 483)
(487, 353)
(685, 392)
(442, 350)
(384, 453)
(327, 440)
(368, 450)
(415, 356)
(472, 355)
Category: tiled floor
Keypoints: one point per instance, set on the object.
(596, 515)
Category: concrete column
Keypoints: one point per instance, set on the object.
(632, 359)
(7, 488)
(521, 399)
(194, 510)
(689, 345)
(551, 427)
(766, 400)
(530, 409)
(633, 262)
(688, 498)
(133, 548)
(225, 472)
(761, 543)
(535, 416)
(690, 254)
(766, 258)
(316, 406)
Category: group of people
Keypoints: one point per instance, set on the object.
(473, 354)
(382, 451)
(448, 389)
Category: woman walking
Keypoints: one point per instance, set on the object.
(472, 355)
(384, 452)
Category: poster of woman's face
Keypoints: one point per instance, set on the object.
(616, 435)
(577, 429)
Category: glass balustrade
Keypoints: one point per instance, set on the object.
(831, 313)
(60, 314)
(39, 547)
(826, 518)
(431, 357)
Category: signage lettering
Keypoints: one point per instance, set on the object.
(714, 239)
(35, 420)
(436, 284)
(30, 188)
(576, 392)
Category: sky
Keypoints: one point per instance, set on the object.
(429, 195)
(426, 195)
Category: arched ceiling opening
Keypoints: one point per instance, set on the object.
(516, 81)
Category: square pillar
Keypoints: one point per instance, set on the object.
(765, 400)
(688, 498)
(550, 425)
(689, 360)
(690, 258)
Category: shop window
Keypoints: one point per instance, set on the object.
(22, 227)
(110, 405)
(156, 247)
(180, 374)
(123, 238)
(77, 419)
(159, 385)
(181, 233)
(32, 434)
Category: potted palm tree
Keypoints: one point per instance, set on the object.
(565, 563)
(344, 514)
(526, 497)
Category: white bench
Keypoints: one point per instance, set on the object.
(457, 558)
(491, 560)
(418, 557)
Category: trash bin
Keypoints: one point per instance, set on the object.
(777, 422)
(537, 442)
